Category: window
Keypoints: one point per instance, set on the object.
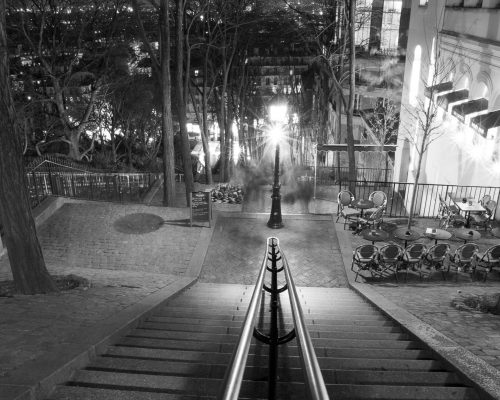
(415, 76)
(363, 20)
(423, 3)
(390, 24)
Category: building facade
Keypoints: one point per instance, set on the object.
(453, 60)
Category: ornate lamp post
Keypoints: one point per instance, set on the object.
(277, 114)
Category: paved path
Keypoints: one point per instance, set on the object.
(310, 245)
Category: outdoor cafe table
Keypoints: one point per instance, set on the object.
(467, 234)
(375, 235)
(406, 235)
(362, 204)
(468, 207)
(437, 234)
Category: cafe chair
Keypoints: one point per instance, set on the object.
(443, 204)
(436, 256)
(379, 199)
(412, 258)
(486, 261)
(485, 199)
(364, 258)
(485, 218)
(448, 217)
(373, 221)
(344, 200)
(462, 259)
(389, 259)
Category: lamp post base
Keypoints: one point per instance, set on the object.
(275, 221)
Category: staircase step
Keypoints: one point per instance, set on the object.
(371, 325)
(98, 393)
(217, 371)
(144, 382)
(369, 392)
(228, 345)
(293, 362)
(232, 338)
(239, 313)
(237, 321)
(221, 358)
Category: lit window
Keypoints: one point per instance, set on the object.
(415, 76)
(424, 2)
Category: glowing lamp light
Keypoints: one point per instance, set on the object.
(277, 112)
(276, 133)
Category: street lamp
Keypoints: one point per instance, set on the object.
(277, 115)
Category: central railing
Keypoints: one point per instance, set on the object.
(312, 373)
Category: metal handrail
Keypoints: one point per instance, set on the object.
(312, 373)
(310, 366)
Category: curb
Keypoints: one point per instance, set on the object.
(480, 374)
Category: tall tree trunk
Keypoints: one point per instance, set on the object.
(350, 109)
(181, 101)
(24, 251)
(166, 107)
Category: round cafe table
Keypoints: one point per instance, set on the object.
(375, 235)
(362, 204)
(437, 234)
(406, 235)
(467, 234)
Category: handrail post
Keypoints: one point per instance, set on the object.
(273, 334)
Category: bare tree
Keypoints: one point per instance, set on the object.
(161, 70)
(72, 72)
(423, 126)
(24, 251)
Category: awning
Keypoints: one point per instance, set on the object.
(439, 88)
(483, 122)
(469, 107)
(452, 97)
(358, 147)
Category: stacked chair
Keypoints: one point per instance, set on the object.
(485, 218)
(449, 215)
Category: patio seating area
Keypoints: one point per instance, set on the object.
(448, 246)
(428, 256)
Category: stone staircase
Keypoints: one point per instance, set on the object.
(181, 352)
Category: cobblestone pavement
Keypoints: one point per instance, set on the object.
(238, 244)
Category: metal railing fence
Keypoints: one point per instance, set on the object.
(427, 196)
(330, 175)
(121, 187)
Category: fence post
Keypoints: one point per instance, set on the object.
(36, 189)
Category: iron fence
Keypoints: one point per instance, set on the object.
(122, 187)
(427, 195)
(331, 174)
